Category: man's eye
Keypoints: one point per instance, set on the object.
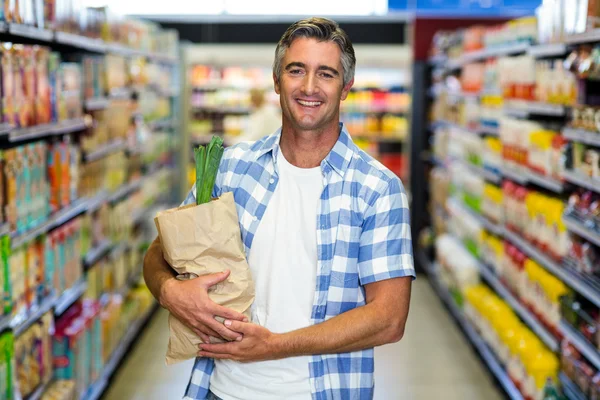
(326, 75)
(295, 71)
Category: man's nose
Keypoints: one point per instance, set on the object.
(309, 86)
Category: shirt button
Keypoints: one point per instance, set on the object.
(272, 181)
(255, 218)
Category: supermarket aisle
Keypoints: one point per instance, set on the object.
(433, 361)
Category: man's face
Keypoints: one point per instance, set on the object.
(311, 86)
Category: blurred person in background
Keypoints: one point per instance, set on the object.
(327, 236)
(264, 119)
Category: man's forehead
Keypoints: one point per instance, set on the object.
(311, 51)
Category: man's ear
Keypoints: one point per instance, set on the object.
(346, 89)
(276, 83)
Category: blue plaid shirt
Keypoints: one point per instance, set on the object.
(363, 236)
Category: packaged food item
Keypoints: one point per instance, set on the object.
(6, 365)
(11, 171)
(8, 84)
(43, 103)
(61, 390)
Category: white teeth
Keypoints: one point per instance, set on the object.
(309, 103)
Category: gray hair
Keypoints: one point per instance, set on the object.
(323, 30)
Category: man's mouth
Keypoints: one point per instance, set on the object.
(306, 103)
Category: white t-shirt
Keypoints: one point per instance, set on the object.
(283, 261)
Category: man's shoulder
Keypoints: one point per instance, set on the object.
(371, 172)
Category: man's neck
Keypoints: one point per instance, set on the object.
(307, 149)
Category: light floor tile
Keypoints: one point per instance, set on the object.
(432, 361)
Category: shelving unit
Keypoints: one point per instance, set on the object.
(456, 98)
(475, 338)
(71, 132)
(577, 227)
(570, 389)
(581, 343)
(529, 318)
(97, 389)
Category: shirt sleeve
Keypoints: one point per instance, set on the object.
(385, 248)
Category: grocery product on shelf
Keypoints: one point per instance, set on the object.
(459, 269)
(536, 217)
(579, 371)
(60, 390)
(33, 356)
(529, 364)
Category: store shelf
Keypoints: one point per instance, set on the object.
(589, 351)
(477, 341)
(582, 181)
(70, 296)
(104, 150)
(489, 130)
(81, 42)
(484, 173)
(483, 54)
(119, 249)
(21, 323)
(5, 130)
(97, 201)
(125, 190)
(39, 392)
(30, 32)
(223, 109)
(582, 136)
(57, 219)
(47, 130)
(490, 226)
(4, 229)
(166, 123)
(570, 389)
(513, 175)
(545, 182)
(547, 50)
(522, 109)
(527, 316)
(585, 37)
(374, 110)
(579, 283)
(575, 226)
(97, 253)
(97, 103)
(97, 389)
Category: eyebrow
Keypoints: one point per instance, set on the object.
(321, 67)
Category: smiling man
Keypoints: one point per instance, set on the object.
(327, 235)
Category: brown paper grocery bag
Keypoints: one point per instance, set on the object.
(205, 239)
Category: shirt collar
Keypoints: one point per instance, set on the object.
(338, 158)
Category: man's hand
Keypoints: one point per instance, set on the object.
(258, 344)
(188, 301)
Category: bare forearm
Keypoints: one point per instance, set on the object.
(156, 270)
(379, 322)
(358, 329)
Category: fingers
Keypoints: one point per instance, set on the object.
(212, 279)
(204, 332)
(203, 336)
(237, 326)
(227, 313)
(216, 355)
(219, 348)
(222, 330)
